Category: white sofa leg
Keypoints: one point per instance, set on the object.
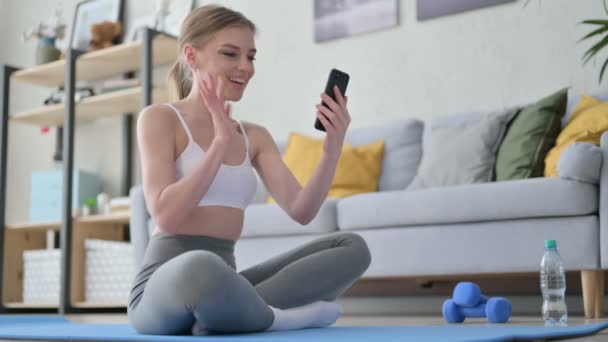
(593, 293)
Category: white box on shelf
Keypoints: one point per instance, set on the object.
(41, 271)
(109, 271)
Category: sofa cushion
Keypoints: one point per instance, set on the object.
(581, 162)
(455, 249)
(575, 98)
(526, 198)
(461, 149)
(587, 123)
(402, 150)
(529, 137)
(271, 219)
(357, 171)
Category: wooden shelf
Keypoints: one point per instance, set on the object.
(35, 226)
(118, 217)
(101, 64)
(28, 236)
(15, 242)
(91, 108)
(99, 305)
(31, 306)
(121, 217)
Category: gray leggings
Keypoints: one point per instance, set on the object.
(186, 278)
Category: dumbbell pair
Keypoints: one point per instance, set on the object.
(468, 301)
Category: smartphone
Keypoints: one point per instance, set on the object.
(336, 77)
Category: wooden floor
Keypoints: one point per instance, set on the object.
(383, 320)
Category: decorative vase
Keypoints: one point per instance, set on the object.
(46, 51)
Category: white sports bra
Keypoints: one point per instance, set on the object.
(233, 186)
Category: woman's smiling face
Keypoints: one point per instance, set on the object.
(228, 56)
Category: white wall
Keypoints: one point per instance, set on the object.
(3, 28)
(479, 60)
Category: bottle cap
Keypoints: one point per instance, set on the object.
(550, 244)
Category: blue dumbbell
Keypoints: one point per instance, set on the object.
(468, 294)
(496, 310)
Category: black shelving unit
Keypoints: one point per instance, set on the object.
(67, 152)
(7, 71)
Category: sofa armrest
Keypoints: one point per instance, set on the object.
(581, 161)
(138, 224)
(603, 205)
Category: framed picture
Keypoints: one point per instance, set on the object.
(342, 18)
(427, 9)
(89, 12)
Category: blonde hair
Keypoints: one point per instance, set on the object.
(197, 29)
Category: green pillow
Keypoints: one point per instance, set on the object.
(529, 138)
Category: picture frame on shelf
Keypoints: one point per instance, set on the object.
(89, 12)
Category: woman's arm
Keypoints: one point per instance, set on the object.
(303, 204)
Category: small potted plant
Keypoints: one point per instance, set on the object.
(47, 33)
(89, 206)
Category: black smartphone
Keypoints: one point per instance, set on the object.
(336, 77)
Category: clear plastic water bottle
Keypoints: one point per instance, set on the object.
(553, 286)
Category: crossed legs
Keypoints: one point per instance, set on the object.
(199, 286)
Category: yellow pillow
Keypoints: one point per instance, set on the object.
(358, 168)
(586, 124)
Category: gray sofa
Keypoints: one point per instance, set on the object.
(483, 228)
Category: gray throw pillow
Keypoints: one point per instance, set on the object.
(402, 149)
(461, 149)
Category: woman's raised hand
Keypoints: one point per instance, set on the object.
(212, 92)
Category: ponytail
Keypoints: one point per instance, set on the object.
(180, 81)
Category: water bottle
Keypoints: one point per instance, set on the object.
(553, 286)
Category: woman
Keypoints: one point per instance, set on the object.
(198, 178)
